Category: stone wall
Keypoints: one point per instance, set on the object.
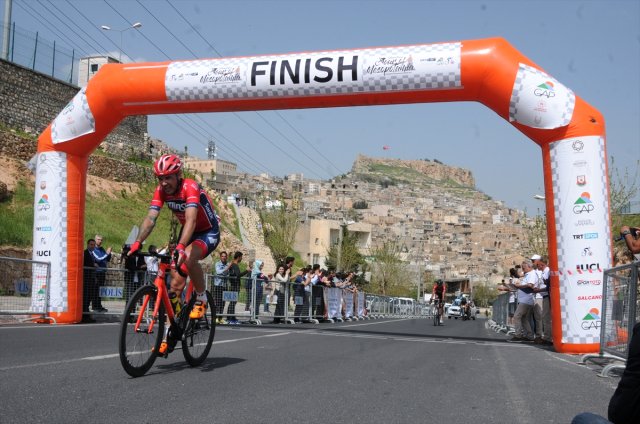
(23, 148)
(36, 99)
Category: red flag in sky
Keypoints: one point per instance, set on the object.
(385, 147)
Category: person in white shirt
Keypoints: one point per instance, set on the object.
(542, 301)
(522, 317)
(152, 263)
(538, 289)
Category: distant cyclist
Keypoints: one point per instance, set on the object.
(439, 289)
(199, 234)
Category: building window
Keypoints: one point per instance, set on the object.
(316, 258)
(94, 67)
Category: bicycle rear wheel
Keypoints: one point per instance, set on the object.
(198, 334)
(139, 344)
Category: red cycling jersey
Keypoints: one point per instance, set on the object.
(439, 291)
(190, 195)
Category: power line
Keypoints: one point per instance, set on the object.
(279, 115)
(45, 23)
(139, 32)
(70, 28)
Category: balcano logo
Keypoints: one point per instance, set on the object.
(583, 204)
(545, 90)
(43, 203)
(591, 320)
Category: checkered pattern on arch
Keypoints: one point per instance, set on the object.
(182, 80)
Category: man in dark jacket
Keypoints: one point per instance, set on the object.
(88, 279)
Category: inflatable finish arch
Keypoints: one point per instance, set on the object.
(569, 131)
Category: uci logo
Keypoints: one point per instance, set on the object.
(43, 252)
(588, 267)
(578, 209)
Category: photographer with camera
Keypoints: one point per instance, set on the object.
(631, 237)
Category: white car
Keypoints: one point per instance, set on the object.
(454, 310)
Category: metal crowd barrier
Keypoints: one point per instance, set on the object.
(254, 301)
(620, 302)
(107, 290)
(500, 314)
(17, 299)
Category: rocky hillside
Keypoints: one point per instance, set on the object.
(433, 171)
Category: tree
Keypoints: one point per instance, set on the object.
(350, 257)
(484, 295)
(536, 231)
(389, 273)
(622, 189)
(279, 227)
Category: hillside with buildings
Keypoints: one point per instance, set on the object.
(430, 210)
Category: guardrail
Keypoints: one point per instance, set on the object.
(620, 302)
(17, 300)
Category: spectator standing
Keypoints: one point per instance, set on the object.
(219, 284)
(543, 300)
(631, 237)
(234, 284)
(281, 281)
(260, 279)
(88, 279)
(538, 288)
(133, 274)
(102, 259)
(268, 293)
(300, 295)
(152, 263)
(317, 300)
(522, 317)
(247, 288)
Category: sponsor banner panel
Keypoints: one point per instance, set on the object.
(539, 100)
(581, 208)
(417, 67)
(360, 309)
(334, 302)
(49, 230)
(75, 120)
(348, 303)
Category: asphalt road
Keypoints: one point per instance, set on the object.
(387, 370)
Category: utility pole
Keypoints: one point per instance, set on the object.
(7, 29)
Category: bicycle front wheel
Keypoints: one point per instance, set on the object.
(198, 334)
(140, 335)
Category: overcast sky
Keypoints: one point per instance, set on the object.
(592, 47)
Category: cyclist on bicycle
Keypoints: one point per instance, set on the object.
(439, 289)
(199, 235)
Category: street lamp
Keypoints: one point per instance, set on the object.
(121, 31)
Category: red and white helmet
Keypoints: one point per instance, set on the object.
(167, 165)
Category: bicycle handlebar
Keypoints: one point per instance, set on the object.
(165, 259)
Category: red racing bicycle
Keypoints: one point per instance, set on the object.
(150, 327)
